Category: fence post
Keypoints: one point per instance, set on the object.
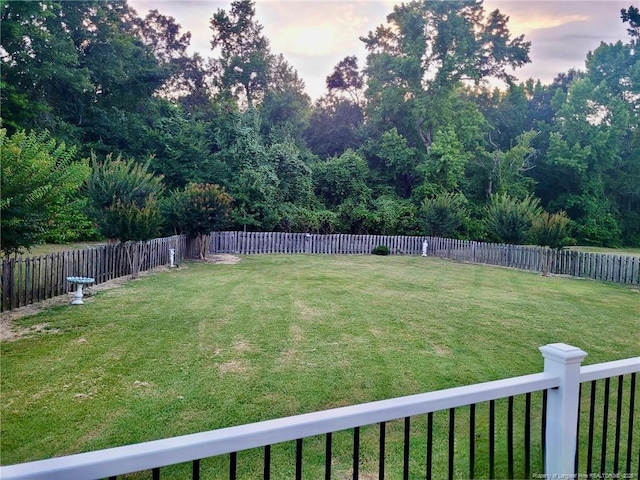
(562, 408)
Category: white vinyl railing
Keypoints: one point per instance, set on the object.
(561, 377)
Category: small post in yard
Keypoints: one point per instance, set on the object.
(425, 246)
(562, 408)
(172, 257)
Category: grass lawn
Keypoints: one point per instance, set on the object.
(49, 248)
(208, 346)
(634, 252)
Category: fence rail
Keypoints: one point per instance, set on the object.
(598, 266)
(560, 383)
(27, 280)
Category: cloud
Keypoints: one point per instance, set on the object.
(316, 28)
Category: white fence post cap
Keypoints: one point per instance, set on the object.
(562, 353)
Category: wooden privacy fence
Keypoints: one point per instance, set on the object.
(247, 243)
(598, 266)
(26, 280)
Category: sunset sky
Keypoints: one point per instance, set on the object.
(315, 35)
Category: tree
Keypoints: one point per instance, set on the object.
(347, 79)
(427, 48)
(124, 198)
(632, 15)
(42, 77)
(39, 177)
(242, 70)
(341, 178)
(285, 107)
(335, 126)
(197, 210)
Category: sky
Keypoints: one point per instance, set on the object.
(314, 36)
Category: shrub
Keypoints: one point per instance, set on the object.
(381, 250)
(551, 230)
(445, 214)
(39, 181)
(510, 219)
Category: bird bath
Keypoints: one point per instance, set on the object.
(80, 281)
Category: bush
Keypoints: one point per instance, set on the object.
(444, 215)
(510, 219)
(381, 250)
(551, 230)
(39, 181)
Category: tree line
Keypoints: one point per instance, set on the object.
(111, 129)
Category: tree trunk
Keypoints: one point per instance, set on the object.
(425, 136)
(202, 246)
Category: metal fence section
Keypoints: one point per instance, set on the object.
(412, 421)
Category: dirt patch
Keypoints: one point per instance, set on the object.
(223, 259)
(441, 350)
(9, 331)
(242, 346)
(234, 366)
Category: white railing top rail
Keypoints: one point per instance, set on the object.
(170, 451)
(609, 369)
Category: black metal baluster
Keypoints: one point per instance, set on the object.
(527, 436)
(327, 458)
(155, 473)
(616, 453)
(195, 470)
(632, 397)
(510, 436)
(405, 459)
(492, 431)
(428, 475)
(356, 452)
(592, 410)
(544, 428)
(472, 440)
(233, 463)
(577, 458)
(299, 459)
(381, 455)
(267, 462)
(452, 428)
(605, 425)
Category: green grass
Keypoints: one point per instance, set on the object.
(49, 248)
(210, 346)
(634, 252)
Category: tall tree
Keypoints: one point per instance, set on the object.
(417, 61)
(242, 69)
(427, 48)
(285, 107)
(347, 79)
(42, 76)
